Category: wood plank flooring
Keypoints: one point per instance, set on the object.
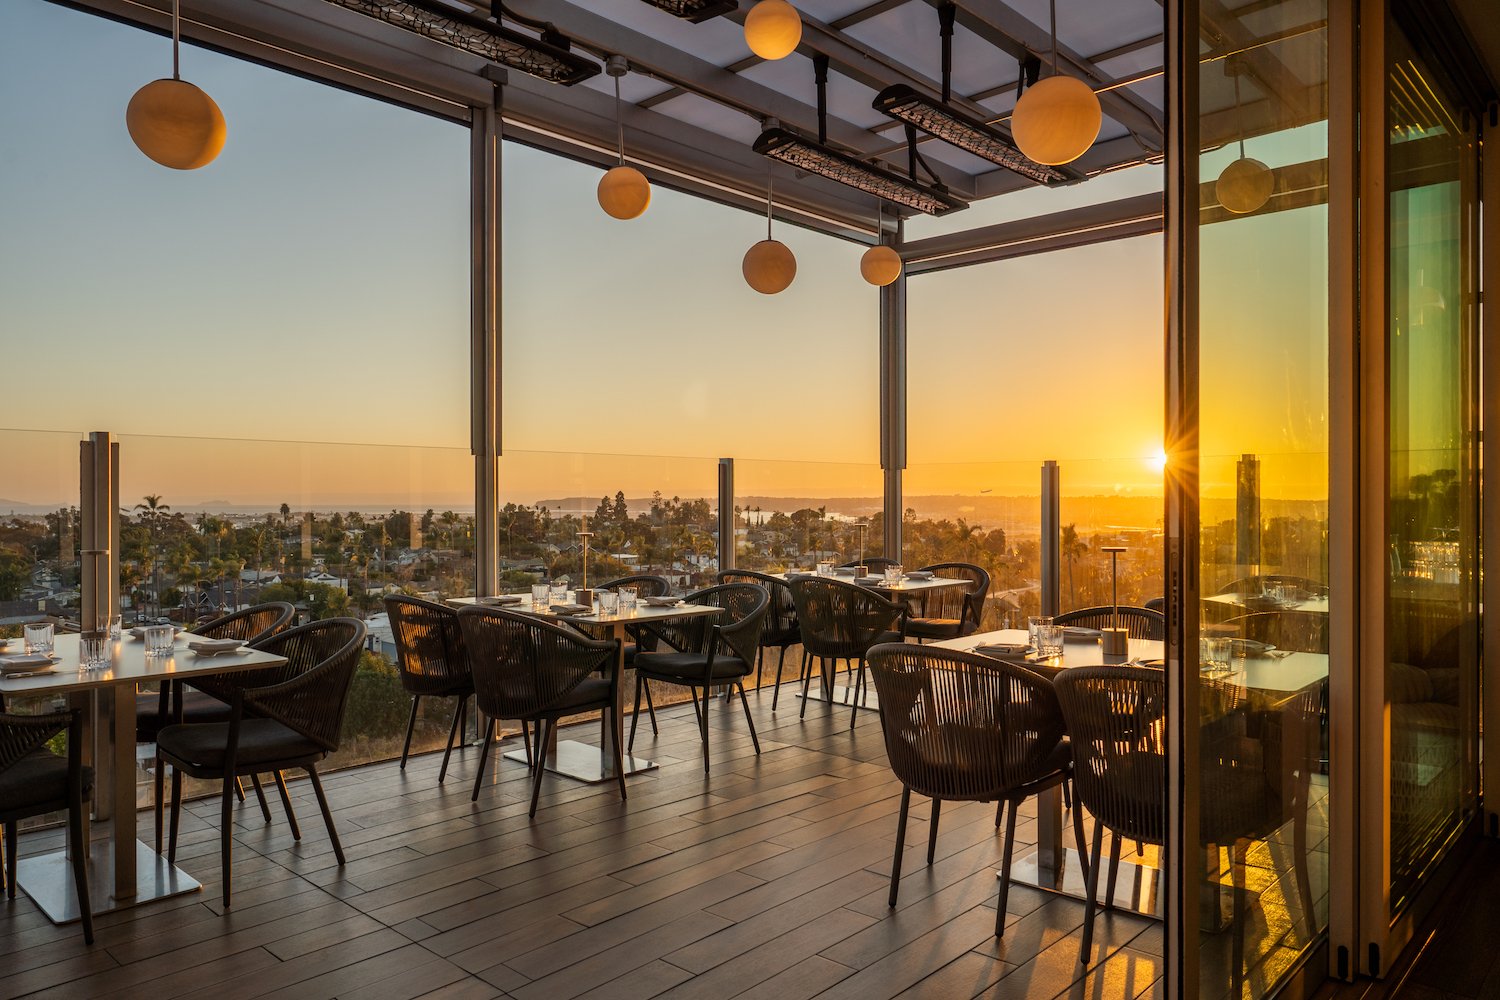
(764, 880)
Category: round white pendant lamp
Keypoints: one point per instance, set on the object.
(773, 28)
(1057, 119)
(880, 265)
(172, 121)
(1246, 184)
(624, 192)
(769, 266)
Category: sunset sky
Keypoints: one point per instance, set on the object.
(312, 286)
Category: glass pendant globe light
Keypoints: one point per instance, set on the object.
(1057, 119)
(880, 265)
(624, 192)
(769, 266)
(1246, 184)
(772, 29)
(172, 121)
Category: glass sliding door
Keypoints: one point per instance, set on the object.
(1431, 661)
(1261, 865)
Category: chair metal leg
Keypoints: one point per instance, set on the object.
(333, 834)
(859, 682)
(1083, 854)
(780, 662)
(619, 751)
(1005, 860)
(79, 850)
(5, 879)
(900, 846)
(702, 724)
(176, 812)
(484, 759)
(749, 721)
(806, 683)
(1114, 871)
(226, 833)
(650, 707)
(458, 718)
(286, 803)
(239, 789)
(1091, 907)
(260, 796)
(10, 859)
(411, 725)
(760, 661)
(637, 713)
(932, 829)
(546, 726)
(1067, 790)
(525, 738)
(158, 781)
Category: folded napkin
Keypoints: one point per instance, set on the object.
(844, 571)
(1080, 633)
(919, 574)
(24, 662)
(214, 645)
(868, 581)
(1002, 650)
(503, 599)
(571, 609)
(661, 602)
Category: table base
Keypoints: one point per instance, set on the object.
(1137, 886)
(48, 880)
(584, 763)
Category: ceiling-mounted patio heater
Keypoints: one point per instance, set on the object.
(695, 10)
(817, 157)
(941, 120)
(546, 58)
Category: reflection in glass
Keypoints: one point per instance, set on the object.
(1432, 613)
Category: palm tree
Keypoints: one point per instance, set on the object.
(286, 513)
(152, 510)
(1072, 547)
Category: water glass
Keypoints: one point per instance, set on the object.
(38, 636)
(539, 595)
(1213, 654)
(825, 568)
(1032, 625)
(609, 603)
(116, 625)
(628, 600)
(158, 639)
(1049, 640)
(893, 574)
(558, 594)
(93, 649)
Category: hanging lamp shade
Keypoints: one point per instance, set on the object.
(880, 265)
(1056, 120)
(769, 267)
(772, 29)
(624, 192)
(176, 124)
(1245, 185)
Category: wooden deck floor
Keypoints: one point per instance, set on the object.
(766, 879)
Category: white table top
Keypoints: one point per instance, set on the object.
(1274, 675)
(642, 612)
(129, 665)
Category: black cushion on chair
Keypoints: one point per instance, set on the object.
(36, 780)
(261, 741)
(689, 667)
(934, 628)
(587, 695)
(197, 707)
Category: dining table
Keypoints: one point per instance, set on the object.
(574, 759)
(1269, 679)
(132, 871)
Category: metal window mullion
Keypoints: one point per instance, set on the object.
(484, 401)
(893, 401)
(1489, 352)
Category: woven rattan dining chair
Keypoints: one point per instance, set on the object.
(280, 718)
(1140, 623)
(968, 728)
(34, 781)
(180, 703)
(709, 652)
(780, 630)
(951, 611)
(430, 657)
(539, 672)
(875, 564)
(640, 638)
(842, 621)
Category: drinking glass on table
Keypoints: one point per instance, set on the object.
(38, 636)
(1049, 640)
(158, 639)
(116, 626)
(539, 595)
(93, 649)
(628, 600)
(893, 574)
(609, 603)
(1034, 623)
(558, 594)
(825, 568)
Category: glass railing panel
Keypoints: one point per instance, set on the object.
(986, 513)
(648, 514)
(791, 515)
(39, 528)
(1114, 503)
(211, 525)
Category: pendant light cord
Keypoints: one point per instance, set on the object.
(176, 37)
(1238, 120)
(619, 124)
(1052, 7)
(770, 187)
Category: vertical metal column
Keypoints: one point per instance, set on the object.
(727, 536)
(99, 600)
(893, 399)
(484, 364)
(1489, 352)
(1180, 518)
(1247, 515)
(1051, 542)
